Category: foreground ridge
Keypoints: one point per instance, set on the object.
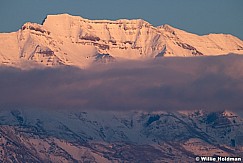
(76, 136)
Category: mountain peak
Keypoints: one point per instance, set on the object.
(73, 40)
(71, 18)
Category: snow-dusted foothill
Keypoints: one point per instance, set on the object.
(74, 136)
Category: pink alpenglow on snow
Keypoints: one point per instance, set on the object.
(72, 40)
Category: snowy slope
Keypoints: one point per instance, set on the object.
(72, 136)
(71, 40)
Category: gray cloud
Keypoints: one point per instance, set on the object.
(163, 84)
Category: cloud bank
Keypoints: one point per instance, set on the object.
(170, 84)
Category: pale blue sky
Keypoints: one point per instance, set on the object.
(196, 16)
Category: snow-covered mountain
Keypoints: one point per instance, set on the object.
(72, 40)
(75, 136)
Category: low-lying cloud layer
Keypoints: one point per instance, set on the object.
(163, 84)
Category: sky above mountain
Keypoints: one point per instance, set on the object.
(200, 17)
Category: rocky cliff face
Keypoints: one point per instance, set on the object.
(72, 40)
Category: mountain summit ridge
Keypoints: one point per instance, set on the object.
(72, 40)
